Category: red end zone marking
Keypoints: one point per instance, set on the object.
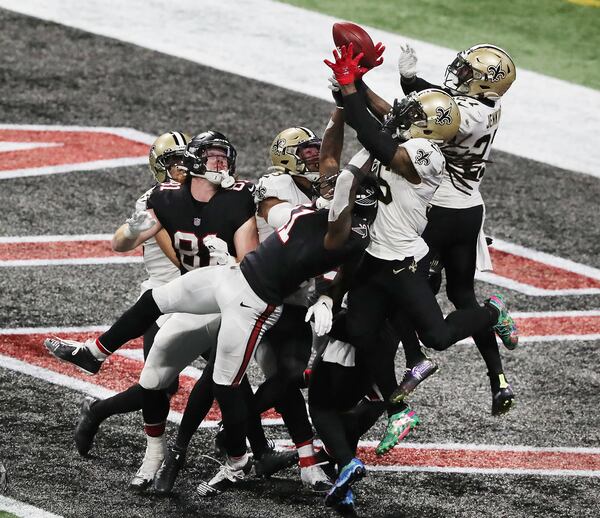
(534, 273)
(118, 374)
(558, 325)
(75, 147)
(60, 250)
(482, 459)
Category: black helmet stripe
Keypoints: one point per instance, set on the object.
(178, 138)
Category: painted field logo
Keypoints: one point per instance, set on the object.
(40, 150)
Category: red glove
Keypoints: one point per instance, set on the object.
(379, 48)
(346, 68)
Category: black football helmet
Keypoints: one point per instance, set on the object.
(196, 154)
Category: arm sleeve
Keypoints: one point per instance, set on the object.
(415, 84)
(380, 144)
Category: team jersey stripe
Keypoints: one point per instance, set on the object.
(252, 341)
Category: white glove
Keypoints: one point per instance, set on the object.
(323, 316)
(217, 248)
(407, 62)
(322, 203)
(140, 221)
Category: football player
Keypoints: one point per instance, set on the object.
(284, 352)
(162, 265)
(249, 298)
(210, 220)
(477, 79)
(392, 279)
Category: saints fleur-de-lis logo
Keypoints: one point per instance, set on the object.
(496, 73)
(443, 115)
(279, 147)
(413, 266)
(422, 157)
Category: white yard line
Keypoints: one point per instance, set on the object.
(285, 46)
(23, 510)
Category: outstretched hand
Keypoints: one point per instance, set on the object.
(346, 68)
(379, 49)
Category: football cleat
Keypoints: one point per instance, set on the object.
(315, 478)
(73, 352)
(412, 377)
(271, 461)
(505, 327)
(399, 425)
(346, 506)
(87, 427)
(165, 477)
(502, 395)
(226, 477)
(349, 474)
(153, 458)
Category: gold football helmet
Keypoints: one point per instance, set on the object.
(430, 114)
(166, 148)
(289, 150)
(481, 71)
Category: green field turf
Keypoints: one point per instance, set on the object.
(554, 37)
(4, 514)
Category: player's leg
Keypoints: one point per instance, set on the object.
(244, 319)
(179, 342)
(460, 260)
(287, 346)
(193, 293)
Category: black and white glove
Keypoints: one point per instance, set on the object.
(140, 221)
(217, 248)
(407, 62)
(322, 313)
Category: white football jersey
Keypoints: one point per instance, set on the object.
(283, 187)
(159, 267)
(276, 185)
(467, 153)
(402, 208)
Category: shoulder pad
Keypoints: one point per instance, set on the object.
(242, 185)
(426, 156)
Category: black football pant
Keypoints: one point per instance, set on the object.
(397, 290)
(339, 410)
(458, 253)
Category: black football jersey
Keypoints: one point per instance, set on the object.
(189, 221)
(295, 253)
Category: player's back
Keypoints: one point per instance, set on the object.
(296, 253)
(467, 154)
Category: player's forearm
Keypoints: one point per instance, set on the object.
(368, 130)
(333, 142)
(122, 241)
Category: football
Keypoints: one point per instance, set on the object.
(346, 32)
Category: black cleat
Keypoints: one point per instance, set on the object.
(73, 352)
(412, 378)
(502, 395)
(87, 427)
(165, 477)
(271, 461)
